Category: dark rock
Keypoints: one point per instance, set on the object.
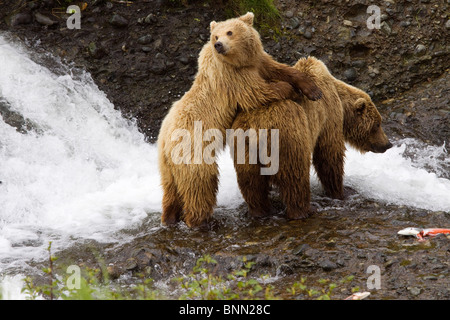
(151, 18)
(415, 291)
(358, 63)
(404, 24)
(284, 270)
(19, 18)
(146, 49)
(300, 250)
(307, 34)
(118, 21)
(289, 14)
(96, 52)
(184, 60)
(48, 3)
(385, 28)
(310, 50)
(158, 64)
(44, 20)
(158, 44)
(350, 74)
(33, 5)
(145, 39)
(327, 265)
(131, 264)
(420, 50)
(294, 23)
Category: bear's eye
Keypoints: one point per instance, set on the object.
(217, 37)
(229, 33)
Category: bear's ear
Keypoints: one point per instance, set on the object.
(360, 106)
(212, 25)
(247, 18)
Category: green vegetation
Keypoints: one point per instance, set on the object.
(266, 13)
(201, 284)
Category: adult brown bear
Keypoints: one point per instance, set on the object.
(321, 128)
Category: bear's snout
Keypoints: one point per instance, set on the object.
(219, 47)
(381, 148)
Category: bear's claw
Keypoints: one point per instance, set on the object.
(314, 94)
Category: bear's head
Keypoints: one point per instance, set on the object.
(362, 124)
(235, 41)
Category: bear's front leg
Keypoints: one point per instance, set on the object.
(304, 83)
(272, 70)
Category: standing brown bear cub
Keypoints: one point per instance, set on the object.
(344, 114)
(233, 71)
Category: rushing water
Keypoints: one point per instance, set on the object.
(75, 169)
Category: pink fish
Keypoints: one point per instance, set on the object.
(421, 233)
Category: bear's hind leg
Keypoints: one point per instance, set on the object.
(295, 189)
(255, 189)
(199, 195)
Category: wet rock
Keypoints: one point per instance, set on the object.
(447, 25)
(284, 270)
(328, 265)
(19, 18)
(113, 272)
(373, 72)
(301, 249)
(118, 21)
(157, 45)
(289, 14)
(146, 49)
(385, 28)
(184, 60)
(307, 34)
(420, 50)
(348, 23)
(350, 74)
(44, 20)
(33, 5)
(295, 23)
(96, 52)
(158, 64)
(151, 18)
(415, 291)
(301, 30)
(358, 63)
(131, 264)
(405, 24)
(145, 39)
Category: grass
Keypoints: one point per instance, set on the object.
(266, 13)
(202, 283)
